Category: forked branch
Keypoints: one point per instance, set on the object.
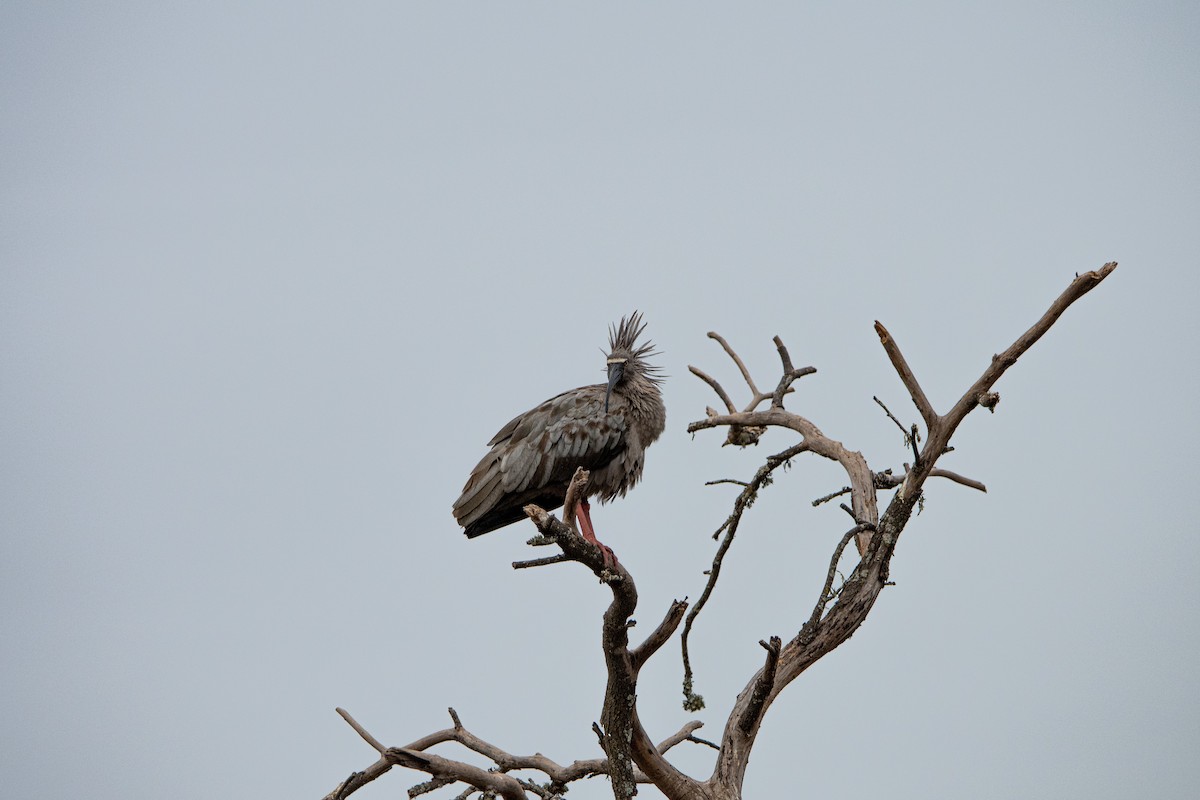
(839, 612)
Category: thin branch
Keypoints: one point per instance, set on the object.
(360, 730)
(692, 700)
(431, 785)
(939, 435)
(684, 734)
(831, 496)
(540, 562)
(784, 357)
(660, 635)
(891, 416)
(954, 476)
(906, 376)
(1082, 284)
(857, 470)
(737, 360)
(716, 387)
(790, 375)
(827, 590)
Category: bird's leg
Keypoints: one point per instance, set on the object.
(589, 533)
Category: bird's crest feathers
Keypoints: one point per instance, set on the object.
(622, 344)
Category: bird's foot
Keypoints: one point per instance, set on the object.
(610, 558)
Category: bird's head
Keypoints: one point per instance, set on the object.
(626, 358)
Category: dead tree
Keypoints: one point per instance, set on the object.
(630, 755)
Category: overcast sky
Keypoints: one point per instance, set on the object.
(272, 276)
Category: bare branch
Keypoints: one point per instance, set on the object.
(790, 375)
(886, 480)
(827, 629)
(660, 635)
(861, 477)
(906, 376)
(831, 496)
(428, 786)
(720, 481)
(716, 387)
(939, 435)
(827, 593)
(737, 360)
(360, 730)
(752, 712)
(1000, 363)
(504, 785)
(540, 562)
(784, 357)
(693, 701)
(954, 476)
(684, 734)
(892, 417)
(439, 768)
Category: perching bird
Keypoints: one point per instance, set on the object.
(604, 428)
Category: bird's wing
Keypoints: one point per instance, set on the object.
(534, 456)
(546, 444)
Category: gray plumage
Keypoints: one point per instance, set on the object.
(604, 428)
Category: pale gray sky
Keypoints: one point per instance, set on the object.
(273, 275)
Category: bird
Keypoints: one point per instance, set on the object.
(604, 428)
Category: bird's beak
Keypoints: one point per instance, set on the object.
(615, 370)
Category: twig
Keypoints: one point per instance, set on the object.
(360, 730)
(431, 785)
(830, 496)
(720, 481)
(540, 562)
(891, 416)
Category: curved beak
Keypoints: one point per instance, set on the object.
(615, 370)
